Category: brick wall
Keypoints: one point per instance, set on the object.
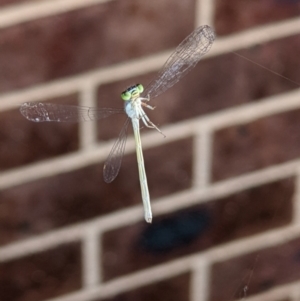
(224, 183)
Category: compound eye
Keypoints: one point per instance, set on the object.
(126, 95)
(140, 87)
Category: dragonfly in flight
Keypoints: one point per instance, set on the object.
(136, 98)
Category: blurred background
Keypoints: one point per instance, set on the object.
(224, 183)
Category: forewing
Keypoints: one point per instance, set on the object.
(182, 60)
(46, 112)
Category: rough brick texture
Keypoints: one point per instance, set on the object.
(192, 224)
(213, 85)
(24, 142)
(78, 41)
(176, 288)
(12, 2)
(49, 203)
(260, 271)
(41, 275)
(198, 228)
(236, 15)
(276, 139)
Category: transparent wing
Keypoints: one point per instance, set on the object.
(43, 112)
(182, 60)
(113, 162)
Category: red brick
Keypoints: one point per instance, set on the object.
(198, 228)
(24, 142)
(169, 167)
(216, 83)
(57, 201)
(42, 275)
(81, 40)
(12, 2)
(259, 144)
(237, 15)
(260, 271)
(176, 288)
(76, 196)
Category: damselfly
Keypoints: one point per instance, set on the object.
(136, 98)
